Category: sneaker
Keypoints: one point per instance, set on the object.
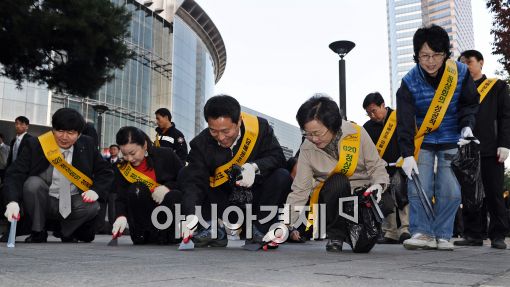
(203, 238)
(444, 244)
(498, 244)
(468, 241)
(420, 240)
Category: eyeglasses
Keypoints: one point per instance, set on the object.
(435, 57)
(316, 134)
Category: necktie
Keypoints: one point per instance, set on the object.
(15, 149)
(64, 201)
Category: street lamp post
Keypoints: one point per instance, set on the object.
(100, 110)
(342, 48)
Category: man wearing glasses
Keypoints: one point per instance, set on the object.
(436, 107)
(233, 138)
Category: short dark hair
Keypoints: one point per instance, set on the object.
(23, 119)
(68, 119)
(164, 112)
(114, 145)
(373, 98)
(472, 53)
(435, 36)
(322, 108)
(134, 135)
(222, 106)
(2, 137)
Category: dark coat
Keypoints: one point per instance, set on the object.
(32, 162)
(174, 139)
(166, 166)
(20, 148)
(493, 119)
(206, 155)
(392, 153)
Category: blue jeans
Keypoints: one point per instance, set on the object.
(443, 185)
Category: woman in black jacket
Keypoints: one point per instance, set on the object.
(145, 179)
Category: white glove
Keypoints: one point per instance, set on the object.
(89, 196)
(376, 188)
(466, 132)
(188, 226)
(248, 173)
(502, 154)
(409, 165)
(12, 211)
(159, 193)
(118, 226)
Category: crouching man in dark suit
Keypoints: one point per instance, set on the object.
(232, 138)
(59, 176)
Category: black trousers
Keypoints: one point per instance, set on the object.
(41, 208)
(335, 187)
(272, 191)
(475, 221)
(140, 206)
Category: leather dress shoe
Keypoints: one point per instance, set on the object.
(403, 237)
(334, 245)
(37, 237)
(468, 241)
(498, 243)
(4, 237)
(386, 240)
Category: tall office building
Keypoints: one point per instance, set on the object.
(406, 16)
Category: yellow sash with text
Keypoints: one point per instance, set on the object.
(485, 87)
(386, 134)
(132, 175)
(348, 150)
(56, 158)
(438, 106)
(251, 132)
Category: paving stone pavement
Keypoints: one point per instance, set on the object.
(308, 264)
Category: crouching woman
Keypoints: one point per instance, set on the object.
(336, 157)
(145, 179)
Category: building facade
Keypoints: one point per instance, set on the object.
(406, 16)
(288, 136)
(179, 56)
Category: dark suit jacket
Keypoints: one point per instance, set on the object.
(166, 166)
(20, 148)
(206, 155)
(31, 162)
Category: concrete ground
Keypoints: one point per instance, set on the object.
(308, 264)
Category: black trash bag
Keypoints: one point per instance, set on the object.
(239, 196)
(398, 186)
(362, 236)
(466, 166)
(387, 202)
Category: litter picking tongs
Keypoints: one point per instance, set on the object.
(421, 194)
(11, 242)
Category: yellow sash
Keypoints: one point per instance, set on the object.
(132, 175)
(57, 160)
(251, 132)
(387, 133)
(348, 150)
(438, 106)
(156, 141)
(485, 87)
